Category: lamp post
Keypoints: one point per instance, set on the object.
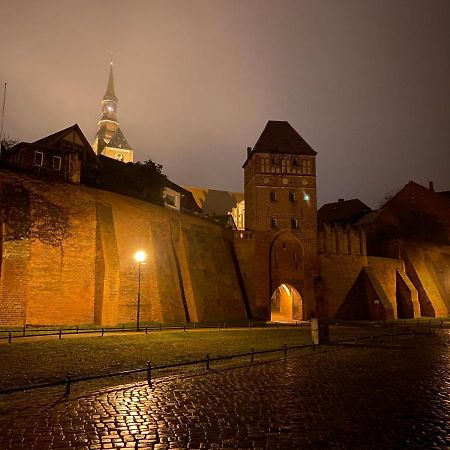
(140, 257)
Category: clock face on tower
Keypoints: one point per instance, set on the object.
(119, 156)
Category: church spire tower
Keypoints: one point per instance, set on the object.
(109, 140)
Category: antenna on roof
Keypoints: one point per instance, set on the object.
(3, 112)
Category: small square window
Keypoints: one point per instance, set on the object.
(170, 200)
(38, 158)
(56, 163)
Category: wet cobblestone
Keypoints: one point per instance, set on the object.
(386, 395)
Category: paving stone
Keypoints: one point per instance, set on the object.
(393, 394)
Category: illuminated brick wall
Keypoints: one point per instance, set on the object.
(93, 278)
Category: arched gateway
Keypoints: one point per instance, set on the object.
(286, 278)
(286, 304)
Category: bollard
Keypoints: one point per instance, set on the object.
(77, 329)
(23, 332)
(60, 333)
(207, 361)
(149, 373)
(68, 383)
(123, 328)
(285, 350)
(9, 337)
(253, 354)
(146, 330)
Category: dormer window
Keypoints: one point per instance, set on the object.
(38, 158)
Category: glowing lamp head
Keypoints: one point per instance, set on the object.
(109, 108)
(306, 197)
(140, 256)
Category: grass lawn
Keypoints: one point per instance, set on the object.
(35, 361)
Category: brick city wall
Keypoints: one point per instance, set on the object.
(93, 277)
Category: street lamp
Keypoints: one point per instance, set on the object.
(140, 257)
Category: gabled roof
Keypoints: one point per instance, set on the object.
(342, 211)
(280, 137)
(214, 202)
(52, 139)
(118, 140)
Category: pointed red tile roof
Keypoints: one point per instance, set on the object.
(280, 137)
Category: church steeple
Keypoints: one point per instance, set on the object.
(109, 103)
(110, 140)
(110, 93)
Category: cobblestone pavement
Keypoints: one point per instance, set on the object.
(383, 395)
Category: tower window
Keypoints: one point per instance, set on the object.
(262, 165)
(295, 161)
(274, 222)
(283, 165)
(304, 167)
(275, 160)
(309, 165)
(56, 163)
(294, 223)
(38, 158)
(292, 196)
(273, 196)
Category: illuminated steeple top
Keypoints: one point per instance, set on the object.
(110, 93)
(109, 140)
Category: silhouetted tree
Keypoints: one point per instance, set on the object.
(142, 180)
(25, 214)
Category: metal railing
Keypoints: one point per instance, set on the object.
(69, 380)
(39, 332)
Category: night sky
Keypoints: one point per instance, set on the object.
(366, 83)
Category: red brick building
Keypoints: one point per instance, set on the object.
(277, 252)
